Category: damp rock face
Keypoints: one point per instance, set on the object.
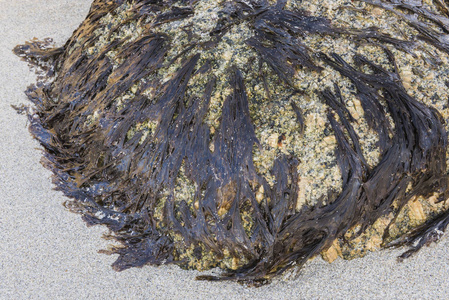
(249, 135)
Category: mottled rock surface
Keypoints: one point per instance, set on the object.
(249, 135)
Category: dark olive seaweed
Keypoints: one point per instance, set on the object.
(124, 176)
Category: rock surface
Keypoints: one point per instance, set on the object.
(248, 135)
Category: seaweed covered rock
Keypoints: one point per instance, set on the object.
(249, 135)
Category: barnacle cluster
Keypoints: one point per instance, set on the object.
(250, 135)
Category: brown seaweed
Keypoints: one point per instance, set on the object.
(127, 181)
(425, 30)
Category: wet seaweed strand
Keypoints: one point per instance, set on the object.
(127, 182)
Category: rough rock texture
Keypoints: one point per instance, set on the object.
(249, 135)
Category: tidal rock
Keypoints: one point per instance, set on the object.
(249, 135)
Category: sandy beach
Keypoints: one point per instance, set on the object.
(47, 252)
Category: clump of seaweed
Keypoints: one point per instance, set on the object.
(153, 117)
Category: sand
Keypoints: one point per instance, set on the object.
(46, 252)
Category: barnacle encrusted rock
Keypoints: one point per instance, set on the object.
(249, 135)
